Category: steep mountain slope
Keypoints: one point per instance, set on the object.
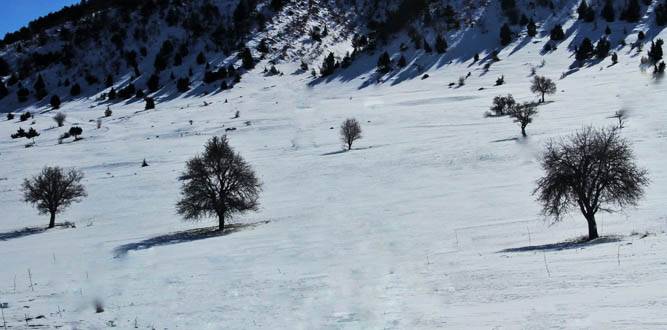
(411, 229)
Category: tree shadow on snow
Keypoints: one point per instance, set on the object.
(578, 243)
(183, 237)
(338, 152)
(28, 231)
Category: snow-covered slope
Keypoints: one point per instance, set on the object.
(428, 223)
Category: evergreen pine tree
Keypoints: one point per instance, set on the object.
(40, 88)
(557, 33)
(55, 102)
(440, 44)
(608, 12)
(150, 103)
(384, 63)
(3, 90)
(655, 53)
(328, 65)
(201, 58)
(153, 83)
(75, 90)
(505, 35)
(584, 50)
(246, 58)
(632, 12)
(531, 28)
(427, 46)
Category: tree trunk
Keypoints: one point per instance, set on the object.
(221, 221)
(542, 97)
(523, 131)
(592, 227)
(52, 222)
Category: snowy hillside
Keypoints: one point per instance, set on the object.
(428, 222)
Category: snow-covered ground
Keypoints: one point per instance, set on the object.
(406, 231)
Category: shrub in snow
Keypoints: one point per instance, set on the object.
(542, 86)
(218, 183)
(25, 116)
(59, 118)
(10, 116)
(108, 112)
(350, 131)
(76, 131)
(20, 133)
(593, 170)
(150, 103)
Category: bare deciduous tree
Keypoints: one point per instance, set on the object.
(543, 85)
(594, 170)
(350, 131)
(59, 118)
(523, 115)
(621, 116)
(218, 183)
(53, 190)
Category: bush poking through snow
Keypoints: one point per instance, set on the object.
(219, 183)
(76, 132)
(593, 170)
(350, 131)
(108, 112)
(59, 118)
(150, 103)
(53, 190)
(25, 116)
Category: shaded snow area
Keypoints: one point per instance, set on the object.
(427, 223)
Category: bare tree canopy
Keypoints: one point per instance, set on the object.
(543, 85)
(59, 118)
(350, 131)
(53, 190)
(502, 105)
(218, 183)
(594, 170)
(523, 115)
